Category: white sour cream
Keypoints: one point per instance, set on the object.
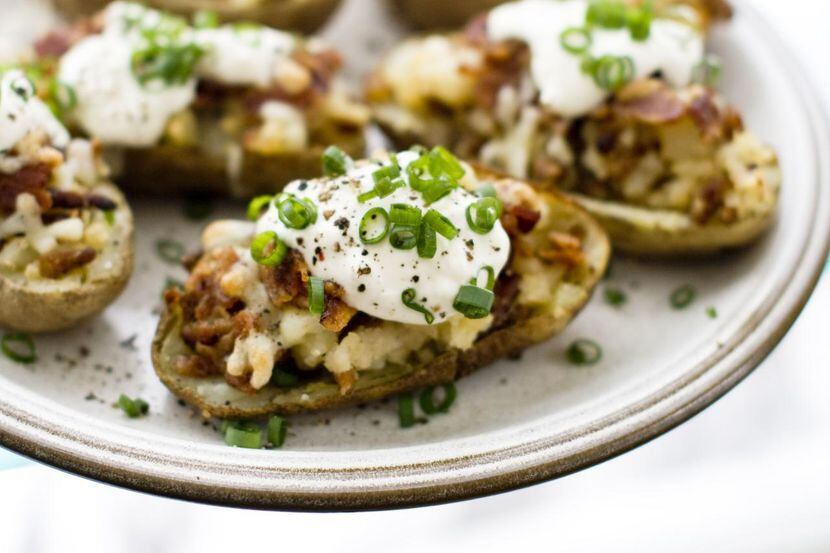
(21, 112)
(374, 275)
(119, 110)
(673, 47)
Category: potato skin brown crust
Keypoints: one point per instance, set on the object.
(324, 393)
(22, 308)
(296, 15)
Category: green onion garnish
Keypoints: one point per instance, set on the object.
(270, 242)
(164, 59)
(133, 408)
(403, 237)
(19, 347)
(440, 224)
(374, 225)
(335, 162)
(712, 313)
(483, 214)
(575, 40)
(486, 190)
(584, 352)
(277, 428)
(427, 241)
(242, 434)
(612, 72)
(427, 399)
(408, 298)
(442, 162)
(283, 379)
(257, 206)
(437, 189)
(615, 296)
(402, 214)
(682, 296)
(170, 250)
(316, 295)
(490, 283)
(205, 19)
(366, 196)
(406, 411)
(474, 302)
(638, 21)
(296, 213)
(387, 180)
(708, 71)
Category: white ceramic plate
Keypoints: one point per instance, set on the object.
(515, 423)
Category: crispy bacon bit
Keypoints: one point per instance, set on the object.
(346, 381)
(336, 314)
(504, 64)
(193, 365)
(518, 219)
(286, 281)
(649, 101)
(206, 332)
(718, 9)
(708, 200)
(32, 179)
(59, 261)
(713, 122)
(476, 30)
(563, 248)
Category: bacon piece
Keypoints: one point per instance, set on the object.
(336, 314)
(286, 281)
(61, 260)
(207, 332)
(649, 101)
(563, 248)
(58, 41)
(518, 219)
(31, 179)
(504, 64)
(476, 31)
(194, 365)
(713, 122)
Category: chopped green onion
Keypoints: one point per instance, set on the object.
(283, 379)
(406, 411)
(387, 179)
(442, 162)
(615, 296)
(257, 206)
(316, 295)
(474, 302)
(427, 399)
(19, 347)
(366, 196)
(402, 214)
(612, 72)
(638, 21)
(437, 189)
(243, 434)
(133, 408)
(584, 352)
(483, 214)
(418, 173)
(197, 208)
(375, 217)
(206, 19)
(408, 298)
(296, 213)
(109, 217)
(712, 312)
(490, 283)
(609, 14)
(682, 296)
(64, 95)
(277, 428)
(575, 40)
(427, 242)
(708, 71)
(268, 241)
(335, 162)
(486, 190)
(440, 224)
(171, 62)
(170, 250)
(403, 237)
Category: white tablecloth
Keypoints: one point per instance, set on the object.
(749, 473)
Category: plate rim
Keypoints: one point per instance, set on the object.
(660, 412)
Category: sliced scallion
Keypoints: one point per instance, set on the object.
(584, 352)
(474, 302)
(440, 224)
(267, 249)
(427, 241)
(427, 399)
(408, 298)
(170, 250)
(483, 214)
(243, 434)
(133, 408)
(490, 273)
(335, 162)
(316, 295)
(374, 226)
(19, 347)
(575, 40)
(283, 379)
(276, 431)
(403, 214)
(682, 297)
(257, 205)
(296, 213)
(403, 237)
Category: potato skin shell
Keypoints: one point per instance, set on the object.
(37, 311)
(167, 169)
(296, 15)
(324, 393)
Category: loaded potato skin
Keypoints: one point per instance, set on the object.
(392, 318)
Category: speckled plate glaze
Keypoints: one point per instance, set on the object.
(515, 423)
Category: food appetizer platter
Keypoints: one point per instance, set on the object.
(373, 270)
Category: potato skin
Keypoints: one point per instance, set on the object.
(216, 398)
(439, 14)
(24, 309)
(296, 15)
(167, 169)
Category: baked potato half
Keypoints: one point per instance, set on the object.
(345, 355)
(655, 153)
(65, 231)
(296, 15)
(183, 107)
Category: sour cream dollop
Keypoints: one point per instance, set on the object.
(673, 47)
(21, 112)
(121, 111)
(375, 275)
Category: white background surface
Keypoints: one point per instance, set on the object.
(750, 473)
